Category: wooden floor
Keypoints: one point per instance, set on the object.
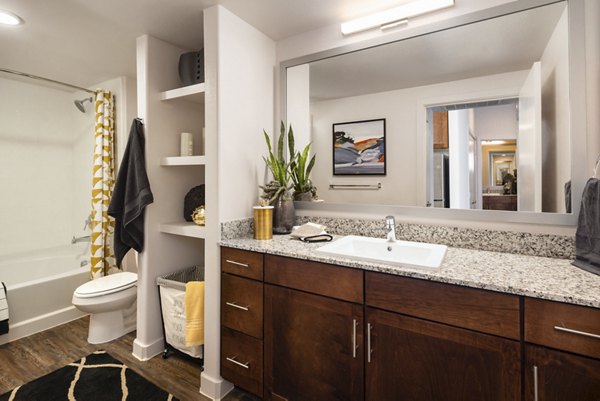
(29, 358)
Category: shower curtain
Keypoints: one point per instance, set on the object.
(102, 259)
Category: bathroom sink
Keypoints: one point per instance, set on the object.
(399, 253)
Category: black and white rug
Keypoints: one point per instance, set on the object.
(97, 377)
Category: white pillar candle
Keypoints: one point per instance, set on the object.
(187, 144)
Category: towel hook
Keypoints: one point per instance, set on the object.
(596, 166)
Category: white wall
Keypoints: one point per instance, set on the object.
(592, 53)
(330, 36)
(404, 111)
(497, 122)
(298, 104)
(39, 132)
(556, 147)
(240, 64)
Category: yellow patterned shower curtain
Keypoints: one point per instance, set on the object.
(103, 226)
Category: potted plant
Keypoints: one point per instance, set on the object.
(277, 192)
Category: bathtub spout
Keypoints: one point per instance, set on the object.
(85, 238)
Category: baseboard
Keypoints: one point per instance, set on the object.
(145, 352)
(212, 388)
(41, 323)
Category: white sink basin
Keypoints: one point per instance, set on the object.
(399, 253)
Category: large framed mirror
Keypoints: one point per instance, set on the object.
(483, 115)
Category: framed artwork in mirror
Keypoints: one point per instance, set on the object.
(359, 147)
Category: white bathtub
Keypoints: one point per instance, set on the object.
(40, 285)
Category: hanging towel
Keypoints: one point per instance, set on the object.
(194, 313)
(131, 195)
(587, 236)
(3, 310)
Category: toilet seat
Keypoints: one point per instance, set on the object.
(106, 285)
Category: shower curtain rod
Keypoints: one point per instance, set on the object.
(45, 79)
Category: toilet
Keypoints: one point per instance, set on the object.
(111, 303)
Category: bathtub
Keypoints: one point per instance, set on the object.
(40, 285)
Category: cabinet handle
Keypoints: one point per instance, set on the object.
(243, 365)
(535, 383)
(354, 345)
(233, 262)
(234, 305)
(369, 350)
(581, 333)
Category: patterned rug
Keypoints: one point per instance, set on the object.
(97, 377)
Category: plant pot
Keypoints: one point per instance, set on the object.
(284, 215)
(303, 196)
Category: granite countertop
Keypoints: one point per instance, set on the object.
(533, 276)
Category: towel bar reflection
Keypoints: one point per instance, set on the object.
(355, 186)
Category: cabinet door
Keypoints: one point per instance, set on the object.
(560, 376)
(417, 360)
(313, 347)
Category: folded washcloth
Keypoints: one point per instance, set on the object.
(3, 310)
(194, 313)
(308, 230)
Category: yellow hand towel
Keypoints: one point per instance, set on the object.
(194, 313)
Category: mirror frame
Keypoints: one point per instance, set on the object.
(578, 118)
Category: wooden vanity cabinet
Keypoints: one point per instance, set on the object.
(434, 342)
(562, 352)
(313, 331)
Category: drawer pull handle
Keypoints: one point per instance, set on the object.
(535, 383)
(233, 262)
(243, 365)
(234, 305)
(354, 344)
(369, 350)
(581, 333)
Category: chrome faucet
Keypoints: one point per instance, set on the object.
(390, 225)
(85, 238)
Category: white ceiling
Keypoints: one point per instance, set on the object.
(85, 42)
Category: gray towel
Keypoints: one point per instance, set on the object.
(587, 236)
(131, 195)
(3, 310)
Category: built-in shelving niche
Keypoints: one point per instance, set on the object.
(192, 93)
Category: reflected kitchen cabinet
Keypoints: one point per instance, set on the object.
(440, 130)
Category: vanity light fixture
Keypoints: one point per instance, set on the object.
(394, 16)
(8, 18)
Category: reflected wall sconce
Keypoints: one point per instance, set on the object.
(394, 16)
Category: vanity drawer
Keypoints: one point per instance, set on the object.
(243, 263)
(318, 278)
(469, 308)
(562, 326)
(242, 304)
(242, 360)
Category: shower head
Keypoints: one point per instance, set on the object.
(79, 103)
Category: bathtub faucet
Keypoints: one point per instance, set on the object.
(85, 238)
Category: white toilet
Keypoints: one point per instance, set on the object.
(110, 301)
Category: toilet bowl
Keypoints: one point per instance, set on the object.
(111, 303)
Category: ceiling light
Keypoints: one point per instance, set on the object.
(385, 19)
(8, 18)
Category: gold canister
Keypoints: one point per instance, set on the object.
(263, 222)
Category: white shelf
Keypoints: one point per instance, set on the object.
(185, 229)
(183, 161)
(193, 93)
